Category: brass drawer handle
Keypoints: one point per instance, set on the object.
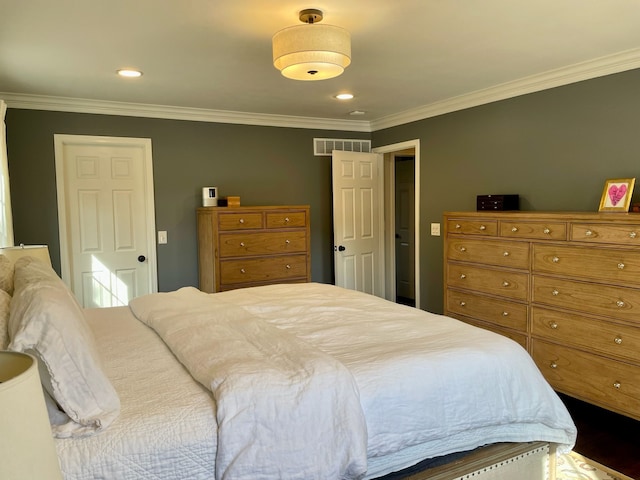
(553, 365)
(620, 303)
(546, 231)
(242, 244)
(588, 233)
(618, 340)
(553, 325)
(242, 270)
(458, 225)
(555, 259)
(286, 220)
(633, 235)
(621, 266)
(505, 254)
(463, 249)
(288, 267)
(514, 229)
(241, 220)
(287, 241)
(617, 385)
(505, 284)
(482, 227)
(463, 304)
(505, 314)
(555, 292)
(462, 276)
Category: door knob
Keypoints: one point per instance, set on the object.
(341, 248)
(142, 258)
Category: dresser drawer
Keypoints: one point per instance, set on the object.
(263, 269)
(239, 221)
(490, 252)
(504, 283)
(617, 302)
(473, 227)
(598, 233)
(610, 339)
(241, 244)
(600, 264)
(286, 219)
(500, 312)
(533, 230)
(606, 382)
(520, 338)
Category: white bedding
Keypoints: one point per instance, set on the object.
(428, 385)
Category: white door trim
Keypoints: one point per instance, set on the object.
(390, 220)
(60, 141)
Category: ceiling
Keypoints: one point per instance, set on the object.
(211, 59)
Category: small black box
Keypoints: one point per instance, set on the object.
(498, 202)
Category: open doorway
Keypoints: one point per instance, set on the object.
(402, 221)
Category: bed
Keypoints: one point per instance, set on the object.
(282, 381)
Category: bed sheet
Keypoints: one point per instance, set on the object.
(166, 428)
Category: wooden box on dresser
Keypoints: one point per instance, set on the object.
(249, 246)
(566, 286)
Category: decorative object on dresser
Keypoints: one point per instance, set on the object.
(566, 286)
(616, 196)
(497, 202)
(249, 246)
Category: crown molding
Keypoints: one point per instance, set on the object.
(100, 107)
(620, 62)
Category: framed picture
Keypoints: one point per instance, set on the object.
(616, 196)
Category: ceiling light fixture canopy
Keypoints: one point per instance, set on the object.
(311, 51)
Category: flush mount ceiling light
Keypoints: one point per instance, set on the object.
(344, 96)
(311, 51)
(128, 72)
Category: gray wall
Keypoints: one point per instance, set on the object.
(554, 148)
(263, 165)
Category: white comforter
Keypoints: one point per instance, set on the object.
(284, 409)
(427, 383)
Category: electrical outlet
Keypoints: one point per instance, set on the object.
(162, 237)
(435, 229)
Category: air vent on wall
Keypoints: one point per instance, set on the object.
(322, 147)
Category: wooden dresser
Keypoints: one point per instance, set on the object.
(249, 246)
(566, 286)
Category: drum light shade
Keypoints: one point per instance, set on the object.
(26, 442)
(311, 51)
(40, 252)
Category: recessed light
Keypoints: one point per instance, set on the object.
(344, 96)
(129, 73)
(357, 112)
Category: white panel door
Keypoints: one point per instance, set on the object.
(358, 221)
(107, 236)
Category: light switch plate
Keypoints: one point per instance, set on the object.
(435, 229)
(162, 237)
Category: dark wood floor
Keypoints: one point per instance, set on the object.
(608, 438)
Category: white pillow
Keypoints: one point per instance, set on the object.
(47, 321)
(5, 301)
(6, 274)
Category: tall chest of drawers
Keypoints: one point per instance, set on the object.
(566, 286)
(249, 246)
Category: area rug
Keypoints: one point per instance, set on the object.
(574, 466)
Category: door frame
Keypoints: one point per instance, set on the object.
(390, 217)
(62, 140)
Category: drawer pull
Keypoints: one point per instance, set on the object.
(621, 266)
(482, 227)
(553, 325)
(617, 385)
(546, 231)
(462, 276)
(620, 303)
(505, 254)
(286, 220)
(633, 235)
(287, 241)
(242, 244)
(505, 284)
(505, 314)
(463, 304)
(514, 229)
(588, 233)
(288, 267)
(555, 292)
(242, 270)
(463, 249)
(241, 220)
(555, 259)
(618, 340)
(458, 225)
(553, 365)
